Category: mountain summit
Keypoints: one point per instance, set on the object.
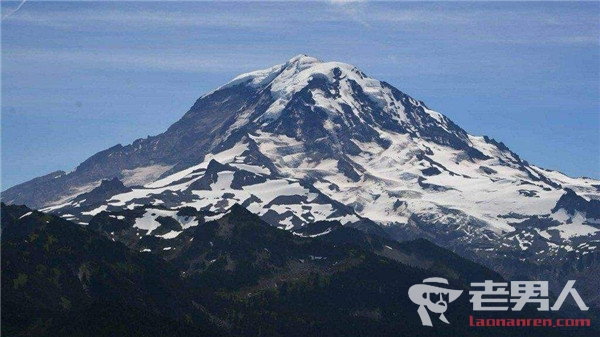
(311, 99)
(308, 141)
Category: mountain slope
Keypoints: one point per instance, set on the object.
(309, 141)
(254, 279)
(64, 280)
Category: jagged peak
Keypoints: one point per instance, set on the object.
(106, 189)
(215, 166)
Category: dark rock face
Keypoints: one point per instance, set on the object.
(571, 203)
(210, 176)
(36, 192)
(100, 194)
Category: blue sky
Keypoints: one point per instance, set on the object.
(80, 77)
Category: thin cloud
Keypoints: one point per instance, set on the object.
(144, 18)
(342, 2)
(7, 15)
(130, 59)
(136, 19)
(352, 9)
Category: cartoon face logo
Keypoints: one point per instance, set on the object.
(431, 297)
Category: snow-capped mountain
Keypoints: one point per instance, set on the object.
(307, 141)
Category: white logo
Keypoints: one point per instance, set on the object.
(521, 293)
(434, 298)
